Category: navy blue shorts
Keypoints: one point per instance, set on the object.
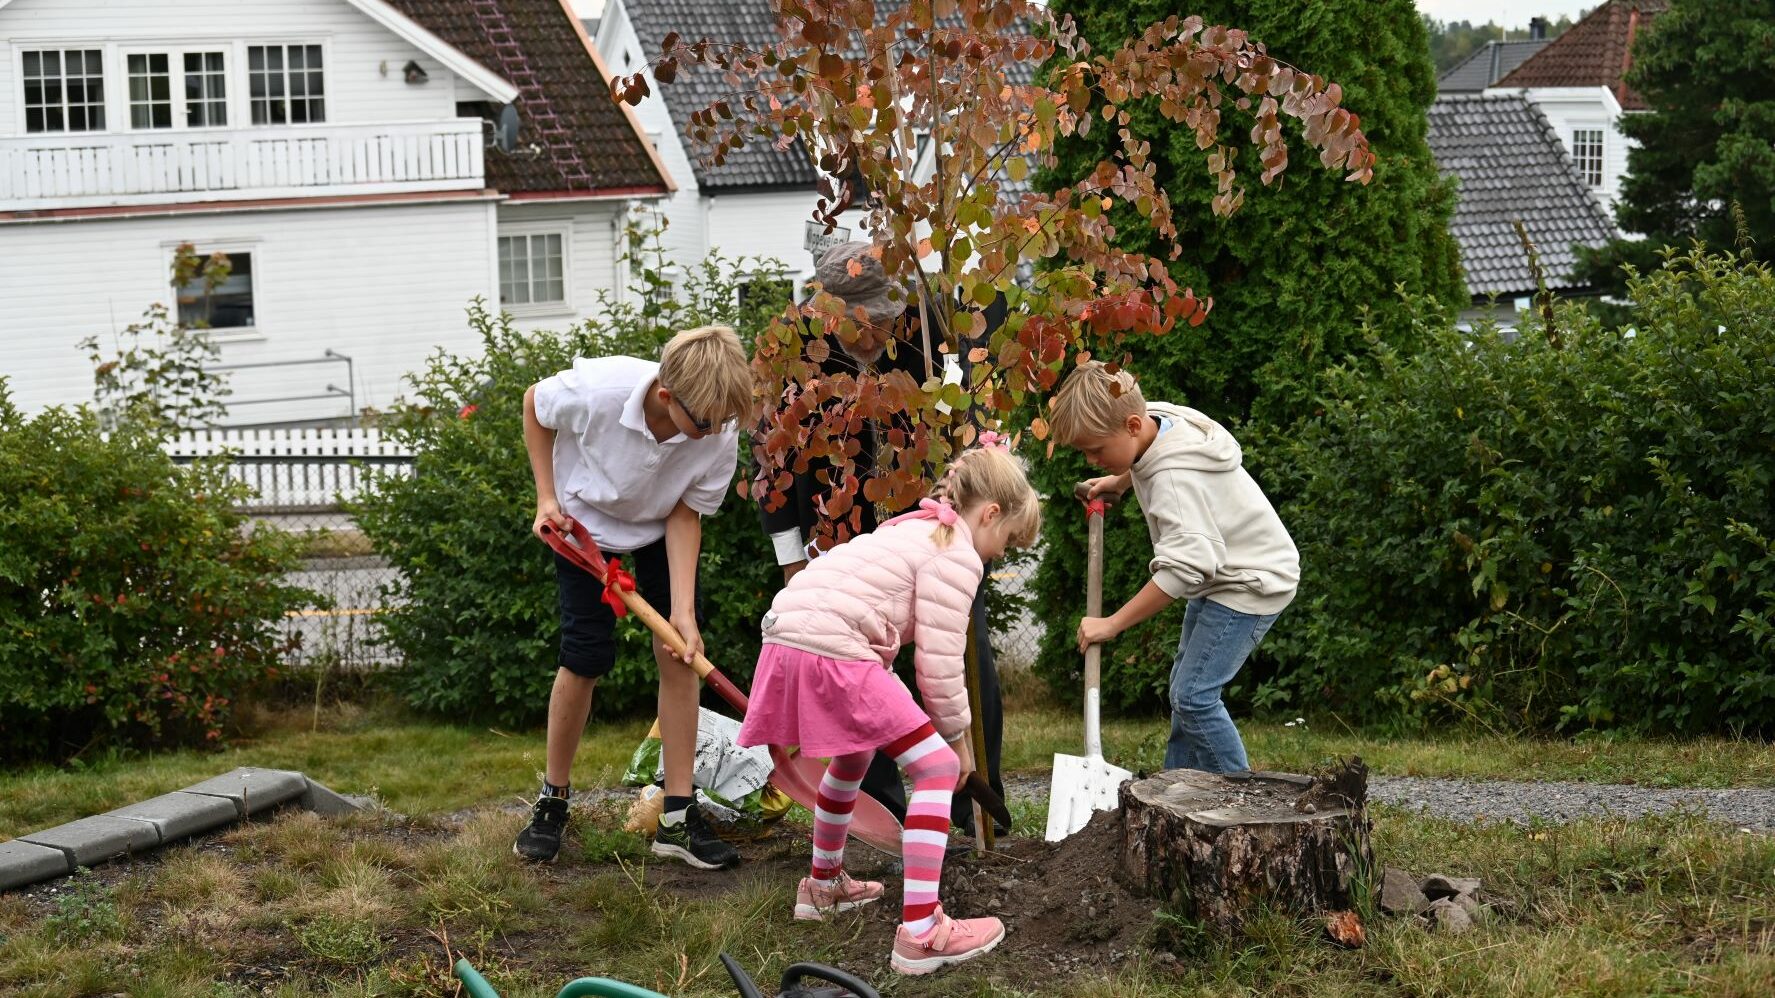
(588, 626)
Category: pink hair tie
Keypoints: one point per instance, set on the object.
(945, 512)
(993, 438)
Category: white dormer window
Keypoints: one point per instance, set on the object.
(64, 90)
(1587, 154)
(285, 84)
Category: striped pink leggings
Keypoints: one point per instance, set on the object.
(933, 767)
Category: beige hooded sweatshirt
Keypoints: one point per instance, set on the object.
(1214, 533)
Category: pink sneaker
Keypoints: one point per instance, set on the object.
(951, 940)
(814, 902)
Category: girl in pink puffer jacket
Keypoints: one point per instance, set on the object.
(825, 683)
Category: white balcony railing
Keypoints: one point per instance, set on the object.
(100, 169)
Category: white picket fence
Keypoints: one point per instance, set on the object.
(297, 470)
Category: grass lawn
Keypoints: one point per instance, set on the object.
(371, 905)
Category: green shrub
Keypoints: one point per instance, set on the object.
(1570, 530)
(474, 614)
(134, 603)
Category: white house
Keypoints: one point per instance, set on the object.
(757, 203)
(1577, 82)
(368, 166)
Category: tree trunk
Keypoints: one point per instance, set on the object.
(1219, 848)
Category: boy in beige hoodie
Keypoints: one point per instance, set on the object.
(1217, 542)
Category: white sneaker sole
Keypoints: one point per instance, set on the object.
(810, 913)
(935, 963)
(666, 850)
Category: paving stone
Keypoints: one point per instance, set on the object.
(326, 803)
(252, 789)
(98, 838)
(24, 863)
(179, 814)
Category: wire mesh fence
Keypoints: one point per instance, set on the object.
(301, 481)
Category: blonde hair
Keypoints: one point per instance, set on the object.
(991, 474)
(1094, 402)
(706, 370)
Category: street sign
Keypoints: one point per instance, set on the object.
(818, 240)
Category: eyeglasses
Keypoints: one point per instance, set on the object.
(702, 425)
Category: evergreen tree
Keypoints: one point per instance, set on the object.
(1292, 273)
(1708, 72)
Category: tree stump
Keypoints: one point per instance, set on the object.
(1221, 847)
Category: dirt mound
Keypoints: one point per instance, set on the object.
(1064, 909)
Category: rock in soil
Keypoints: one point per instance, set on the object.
(1400, 894)
(1449, 917)
(1437, 886)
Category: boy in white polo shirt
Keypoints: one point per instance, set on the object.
(638, 453)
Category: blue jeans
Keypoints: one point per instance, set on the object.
(1216, 639)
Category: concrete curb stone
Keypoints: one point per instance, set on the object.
(24, 863)
(98, 838)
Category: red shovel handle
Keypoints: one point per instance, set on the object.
(579, 548)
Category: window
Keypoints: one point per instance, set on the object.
(229, 306)
(150, 90)
(64, 90)
(533, 269)
(285, 84)
(206, 90)
(1587, 154)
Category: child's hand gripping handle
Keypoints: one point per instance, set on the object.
(578, 547)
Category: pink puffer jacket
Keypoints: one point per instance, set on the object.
(868, 596)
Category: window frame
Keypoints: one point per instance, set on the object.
(528, 231)
(253, 248)
(129, 100)
(1601, 146)
(245, 74)
(61, 47)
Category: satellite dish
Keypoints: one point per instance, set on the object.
(505, 132)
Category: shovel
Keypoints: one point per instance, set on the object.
(1084, 785)
(794, 774)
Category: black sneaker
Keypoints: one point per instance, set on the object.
(694, 842)
(540, 841)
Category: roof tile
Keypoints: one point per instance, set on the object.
(572, 138)
(1511, 165)
(1592, 53)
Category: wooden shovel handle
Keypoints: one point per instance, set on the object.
(662, 627)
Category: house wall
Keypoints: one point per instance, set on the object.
(1571, 108)
(356, 49)
(686, 237)
(384, 285)
(772, 225)
(594, 233)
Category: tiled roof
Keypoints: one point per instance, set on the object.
(751, 23)
(572, 138)
(746, 22)
(1487, 65)
(1592, 53)
(1511, 165)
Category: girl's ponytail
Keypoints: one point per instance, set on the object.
(990, 473)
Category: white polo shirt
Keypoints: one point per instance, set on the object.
(610, 473)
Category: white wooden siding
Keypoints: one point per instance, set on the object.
(362, 60)
(592, 253)
(384, 285)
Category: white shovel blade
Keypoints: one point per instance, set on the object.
(1083, 785)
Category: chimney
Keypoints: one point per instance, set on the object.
(1537, 29)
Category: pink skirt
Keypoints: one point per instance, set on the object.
(827, 706)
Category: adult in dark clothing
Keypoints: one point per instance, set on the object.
(793, 524)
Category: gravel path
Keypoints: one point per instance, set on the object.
(1468, 800)
(1497, 800)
